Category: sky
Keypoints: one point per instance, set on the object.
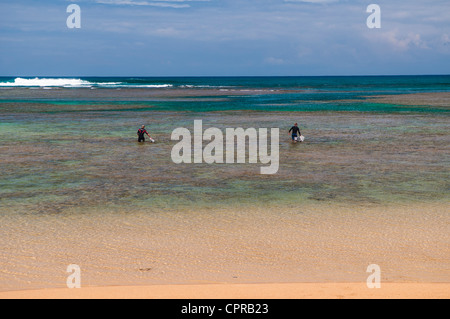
(224, 38)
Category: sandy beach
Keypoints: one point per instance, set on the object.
(255, 291)
(247, 254)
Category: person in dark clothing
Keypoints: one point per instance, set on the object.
(295, 133)
(141, 135)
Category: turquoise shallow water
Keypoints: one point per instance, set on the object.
(52, 162)
(68, 146)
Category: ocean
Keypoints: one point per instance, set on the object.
(253, 93)
(76, 187)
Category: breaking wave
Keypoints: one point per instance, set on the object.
(73, 83)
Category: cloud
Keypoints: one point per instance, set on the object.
(159, 3)
(226, 37)
(312, 1)
(445, 39)
(274, 61)
(405, 42)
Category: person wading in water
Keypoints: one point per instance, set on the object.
(296, 134)
(141, 135)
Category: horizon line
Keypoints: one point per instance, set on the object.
(212, 76)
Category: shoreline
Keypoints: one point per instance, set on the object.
(244, 291)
